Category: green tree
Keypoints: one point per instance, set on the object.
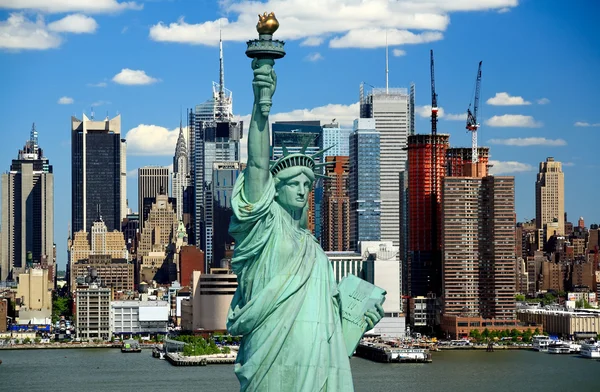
(475, 334)
(537, 331)
(26, 341)
(37, 340)
(520, 297)
(486, 333)
(579, 303)
(514, 333)
(225, 350)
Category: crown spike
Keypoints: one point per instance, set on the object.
(319, 153)
(305, 146)
(285, 150)
(325, 164)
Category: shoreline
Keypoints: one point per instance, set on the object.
(483, 347)
(63, 346)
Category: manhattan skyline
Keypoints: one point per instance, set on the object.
(537, 96)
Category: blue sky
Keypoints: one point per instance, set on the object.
(148, 59)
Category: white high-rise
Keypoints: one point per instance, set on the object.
(391, 109)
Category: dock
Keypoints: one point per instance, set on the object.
(177, 359)
(380, 352)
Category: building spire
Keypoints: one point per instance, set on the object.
(221, 66)
(387, 70)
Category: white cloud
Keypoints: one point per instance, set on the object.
(375, 37)
(508, 167)
(455, 116)
(398, 52)
(568, 164)
(312, 41)
(152, 140)
(100, 84)
(316, 56)
(505, 99)
(132, 173)
(503, 10)
(346, 21)
(65, 101)
(133, 77)
(62, 6)
(18, 32)
(513, 120)
(425, 111)
(75, 23)
(543, 101)
(529, 141)
(100, 103)
(586, 124)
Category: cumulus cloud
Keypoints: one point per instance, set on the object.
(75, 23)
(100, 103)
(513, 120)
(343, 22)
(425, 111)
(505, 99)
(313, 57)
(65, 101)
(508, 167)
(133, 77)
(543, 101)
(63, 6)
(18, 32)
(586, 124)
(529, 141)
(312, 41)
(398, 52)
(152, 140)
(455, 116)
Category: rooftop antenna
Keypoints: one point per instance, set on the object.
(387, 70)
(221, 67)
(92, 113)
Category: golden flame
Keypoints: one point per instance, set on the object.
(267, 23)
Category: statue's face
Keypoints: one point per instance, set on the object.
(293, 193)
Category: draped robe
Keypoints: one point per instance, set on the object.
(286, 306)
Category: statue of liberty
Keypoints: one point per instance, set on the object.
(287, 305)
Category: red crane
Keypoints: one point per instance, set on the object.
(472, 124)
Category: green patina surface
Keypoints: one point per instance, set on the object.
(287, 307)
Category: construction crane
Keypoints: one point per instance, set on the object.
(434, 174)
(434, 108)
(472, 124)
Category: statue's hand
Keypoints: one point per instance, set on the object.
(372, 316)
(264, 78)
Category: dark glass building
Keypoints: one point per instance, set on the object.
(98, 173)
(365, 200)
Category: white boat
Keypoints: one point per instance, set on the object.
(590, 349)
(541, 342)
(559, 347)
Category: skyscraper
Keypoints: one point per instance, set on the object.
(152, 180)
(363, 178)
(335, 208)
(337, 138)
(391, 110)
(27, 209)
(425, 173)
(181, 175)
(214, 137)
(479, 248)
(550, 196)
(98, 172)
(224, 176)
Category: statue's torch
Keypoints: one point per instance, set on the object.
(265, 50)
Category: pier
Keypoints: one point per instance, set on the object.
(177, 359)
(380, 352)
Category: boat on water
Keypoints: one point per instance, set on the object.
(590, 349)
(559, 347)
(541, 343)
(131, 346)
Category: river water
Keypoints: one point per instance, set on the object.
(70, 370)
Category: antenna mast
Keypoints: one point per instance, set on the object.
(387, 69)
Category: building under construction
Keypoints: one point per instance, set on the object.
(459, 162)
(426, 170)
(335, 207)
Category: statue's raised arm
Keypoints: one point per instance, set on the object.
(257, 171)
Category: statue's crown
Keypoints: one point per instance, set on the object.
(299, 159)
(267, 23)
